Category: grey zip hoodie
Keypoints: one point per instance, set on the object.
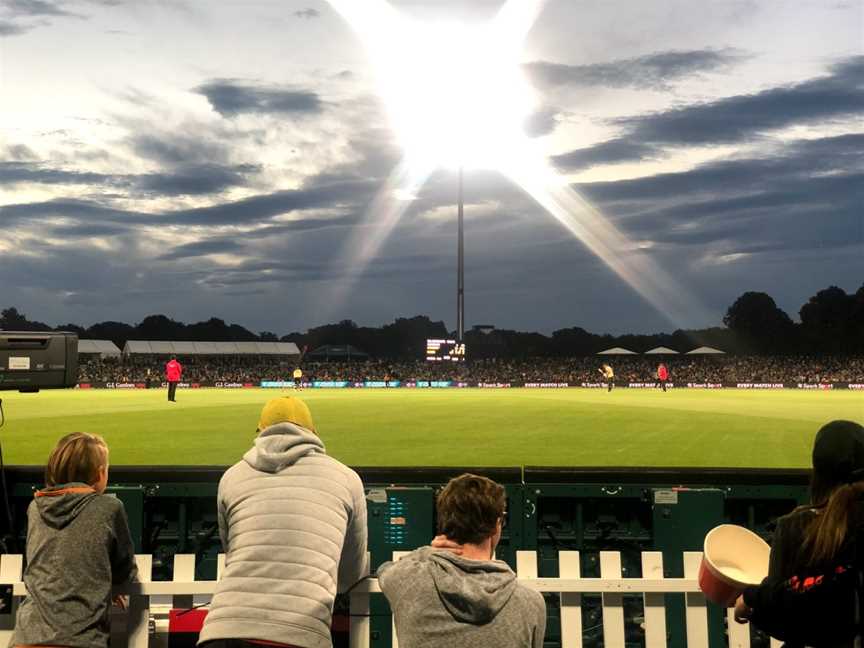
(78, 545)
(441, 599)
(293, 526)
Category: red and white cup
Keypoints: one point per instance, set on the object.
(733, 558)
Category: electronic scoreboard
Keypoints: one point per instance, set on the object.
(445, 351)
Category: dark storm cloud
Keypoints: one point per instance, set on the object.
(8, 28)
(22, 16)
(307, 13)
(653, 71)
(258, 209)
(85, 211)
(302, 225)
(202, 248)
(87, 230)
(35, 8)
(231, 98)
(541, 122)
(829, 206)
(826, 157)
(740, 118)
(806, 196)
(184, 180)
(196, 180)
(253, 210)
(611, 151)
(176, 148)
(17, 172)
(278, 271)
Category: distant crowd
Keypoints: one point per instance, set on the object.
(682, 369)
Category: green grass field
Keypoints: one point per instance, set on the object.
(454, 427)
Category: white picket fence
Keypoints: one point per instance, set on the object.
(144, 625)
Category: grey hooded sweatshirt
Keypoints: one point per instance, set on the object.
(293, 526)
(78, 545)
(441, 599)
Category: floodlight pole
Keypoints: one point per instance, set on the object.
(460, 281)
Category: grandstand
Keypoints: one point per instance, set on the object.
(242, 349)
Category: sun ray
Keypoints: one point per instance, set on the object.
(532, 172)
(379, 218)
(457, 97)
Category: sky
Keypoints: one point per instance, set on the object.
(202, 158)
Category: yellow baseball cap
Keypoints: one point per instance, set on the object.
(286, 409)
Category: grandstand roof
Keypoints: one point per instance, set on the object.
(135, 347)
(703, 350)
(617, 351)
(102, 347)
(661, 350)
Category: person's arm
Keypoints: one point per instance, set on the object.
(776, 610)
(222, 518)
(353, 561)
(387, 582)
(397, 578)
(123, 566)
(786, 545)
(540, 627)
(778, 561)
(817, 609)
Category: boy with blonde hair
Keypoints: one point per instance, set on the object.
(78, 546)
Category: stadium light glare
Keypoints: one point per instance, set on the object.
(455, 93)
(460, 105)
(457, 97)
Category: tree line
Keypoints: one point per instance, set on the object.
(831, 321)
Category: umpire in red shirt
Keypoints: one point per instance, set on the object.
(173, 372)
(663, 375)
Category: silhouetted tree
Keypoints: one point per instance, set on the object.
(759, 323)
(160, 327)
(117, 332)
(574, 341)
(827, 319)
(857, 316)
(73, 328)
(12, 320)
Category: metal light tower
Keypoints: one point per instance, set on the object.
(460, 281)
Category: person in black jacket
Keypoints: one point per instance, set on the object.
(814, 566)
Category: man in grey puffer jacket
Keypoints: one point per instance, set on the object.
(440, 598)
(293, 526)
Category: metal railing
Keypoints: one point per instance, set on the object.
(149, 601)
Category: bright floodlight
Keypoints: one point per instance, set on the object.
(456, 97)
(455, 93)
